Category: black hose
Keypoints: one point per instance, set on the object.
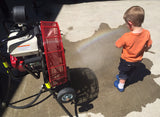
(41, 100)
(27, 105)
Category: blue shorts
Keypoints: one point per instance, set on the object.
(126, 68)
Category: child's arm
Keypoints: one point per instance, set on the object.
(120, 42)
(148, 45)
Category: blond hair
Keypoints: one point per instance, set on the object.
(135, 14)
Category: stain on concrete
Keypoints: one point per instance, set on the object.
(99, 54)
(70, 28)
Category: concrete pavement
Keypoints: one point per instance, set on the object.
(90, 30)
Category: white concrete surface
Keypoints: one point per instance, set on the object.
(82, 23)
(151, 110)
(89, 115)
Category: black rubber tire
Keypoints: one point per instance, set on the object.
(19, 14)
(64, 92)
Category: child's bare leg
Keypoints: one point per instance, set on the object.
(119, 84)
(122, 81)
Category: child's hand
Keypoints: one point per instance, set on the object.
(147, 48)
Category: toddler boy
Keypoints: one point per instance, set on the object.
(134, 43)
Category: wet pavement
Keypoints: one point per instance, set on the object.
(93, 61)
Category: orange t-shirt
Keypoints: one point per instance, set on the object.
(134, 45)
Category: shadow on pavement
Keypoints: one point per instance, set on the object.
(79, 1)
(8, 87)
(85, 83)
(138, 74)
(38, 6)
(36, 10)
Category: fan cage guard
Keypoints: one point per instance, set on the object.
(54, 53)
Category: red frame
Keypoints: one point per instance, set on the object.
(54, 53)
